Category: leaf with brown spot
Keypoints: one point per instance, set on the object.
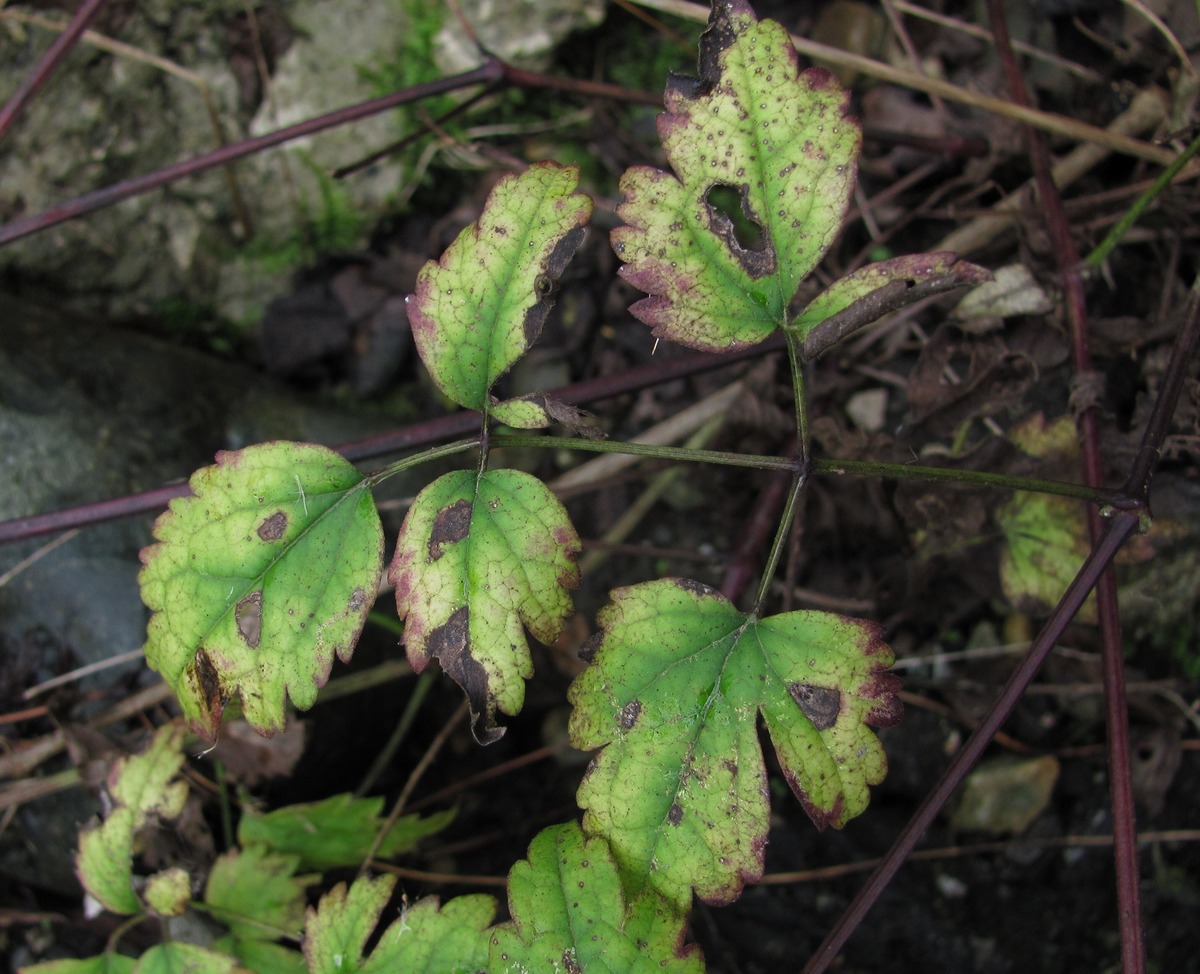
(673, 697)
(480, 559)
(259, 579)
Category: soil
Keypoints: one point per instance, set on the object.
(925, 560)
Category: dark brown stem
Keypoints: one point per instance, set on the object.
(47, 64)
(1129, 908)
(488, 73)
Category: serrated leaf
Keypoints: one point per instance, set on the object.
(779, 139)
(101, 964)
(569, 914)
(176, 957)
(425, 939)
(259, 579)
(337, 831)
(1046, 544)
(673, 696)
(143, 782)
(480, 558)
(105, 862)
(478, 309)
(257, 894)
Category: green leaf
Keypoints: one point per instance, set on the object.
(101, 964)
(569, 914)
(756, 129)
(673, 695)
(1047, 543)
(176, 957)
(257, 894)
(259, 579)
(265, 958)
(140, 786)
(479, 556)
(337, 831)
(478, 309)
(168, 893)
(424, 940)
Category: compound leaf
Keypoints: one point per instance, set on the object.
(569, 914)
(337, 831)
(479, 557)
(425, 939)
(259, 579)
(756, 129)
(478, 309)
(673, 696)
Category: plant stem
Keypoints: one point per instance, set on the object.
(678, 453)
(799, 400)
(799, 479)
(434, 453)
(980, 478)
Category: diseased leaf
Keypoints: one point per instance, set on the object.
(259, 579)
(140, 786)
(169, 892)
(480, 558)
(177, 957)
(423, 940)
(257, 894)
(673, 697)
(478, 309)
(1047, 543)
(569, 914)
(756, 128)
(872, 291)
(337, 831)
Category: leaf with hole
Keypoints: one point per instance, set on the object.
(337, 831)
(764, 162)
(569, 914)
(478, 309)
(673, 697)
(480, 558)
(259, 579)
(425, 939)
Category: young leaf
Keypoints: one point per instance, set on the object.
(569, 914)
(424, 940)
(259, 579)
(478, 309)
(257, 894)
(480, 555)
(140, 786)
(337, 831)
(673, 695)
(754, 127)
